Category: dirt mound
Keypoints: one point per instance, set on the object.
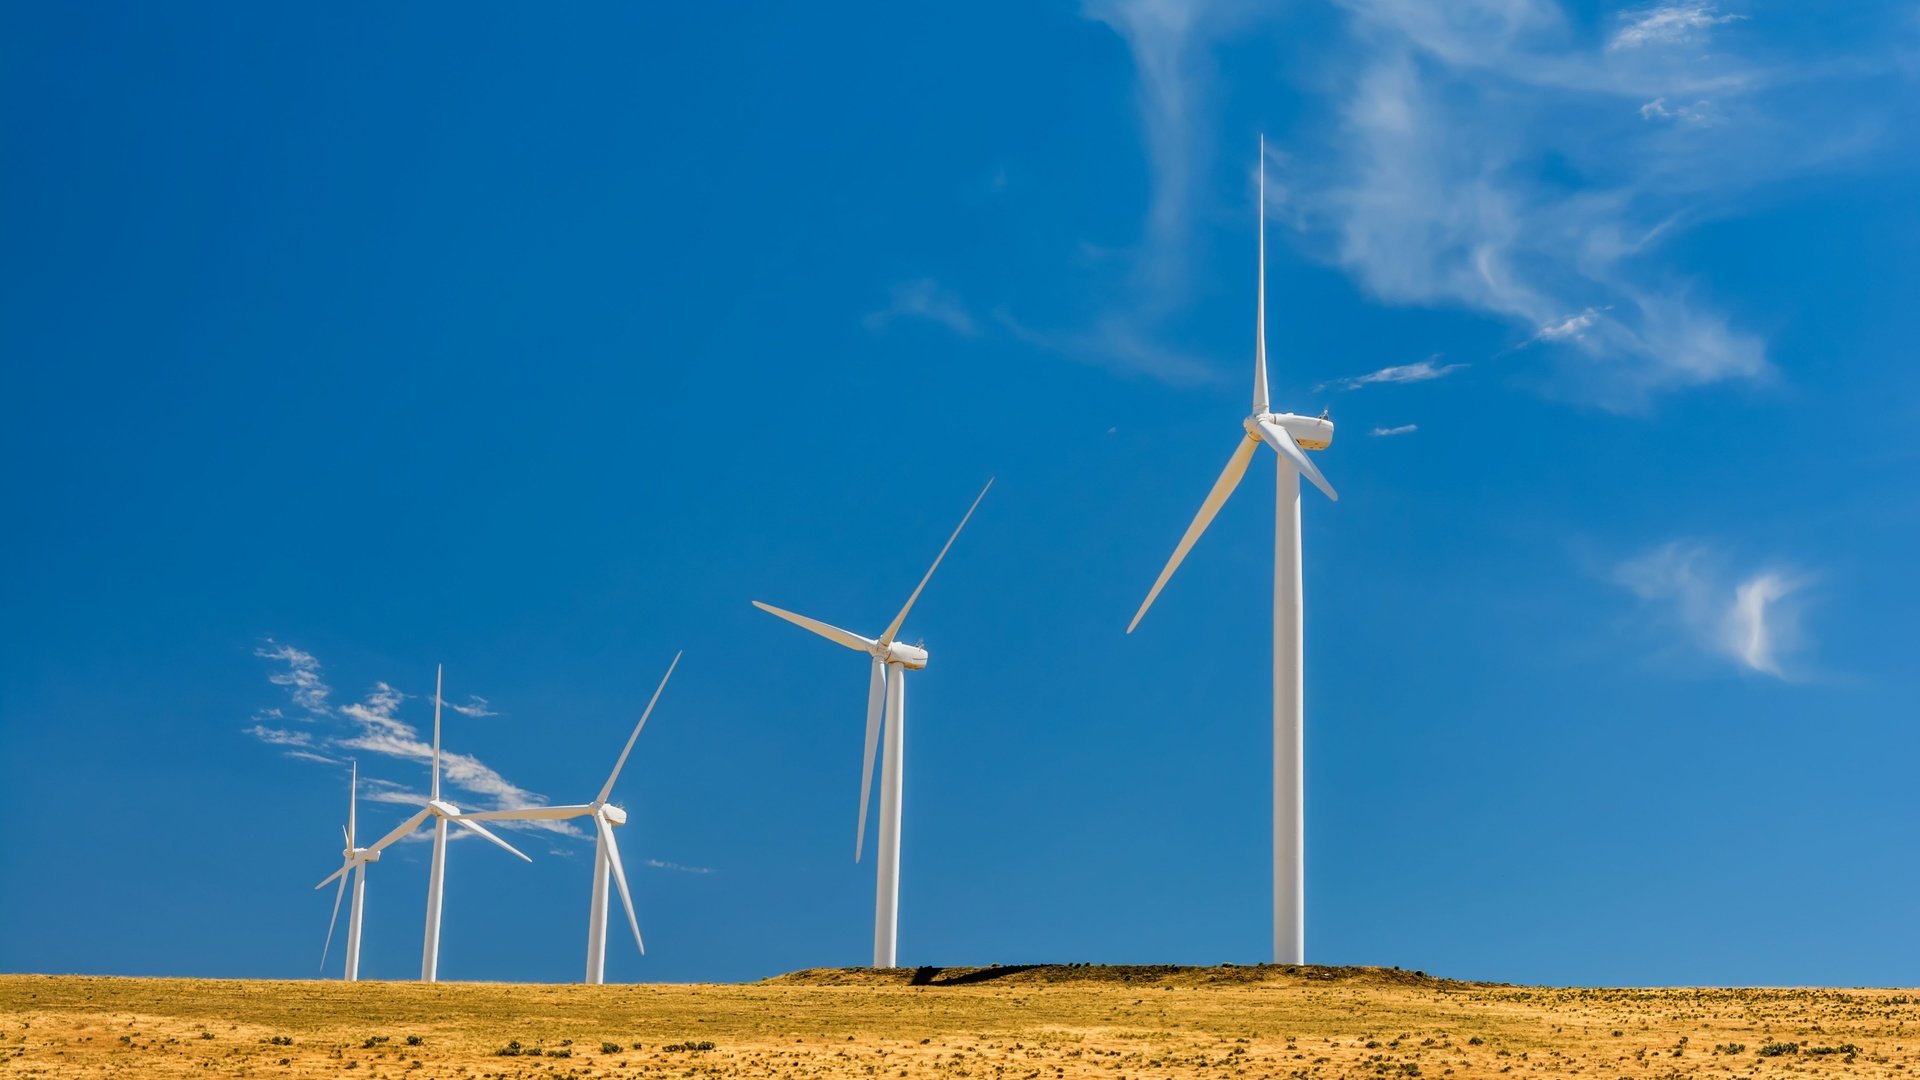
(1147, 974)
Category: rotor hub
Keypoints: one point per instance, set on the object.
(1311, 432)
(912, 657)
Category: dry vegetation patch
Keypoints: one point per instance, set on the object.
(996, 1023)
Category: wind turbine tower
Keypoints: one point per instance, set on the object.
(606, 850)
(442, 812)
(886, 700)
(354, 861)
(1290, 436)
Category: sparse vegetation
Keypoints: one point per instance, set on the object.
(1066, 1022)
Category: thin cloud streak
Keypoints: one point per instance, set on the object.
(1403, 429)
(1419, 371)
(1668, 24)
(661, 864)
(1753, 618)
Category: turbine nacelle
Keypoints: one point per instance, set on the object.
(911, 657)
(614, 815)
(1311, 432)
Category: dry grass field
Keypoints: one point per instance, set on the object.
(998, 1023)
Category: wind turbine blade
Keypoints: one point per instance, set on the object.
(893, 627)
(607, 789)
(1260, 311)
(529, 813)
(1277, 437)
(353, 799)
(438, 671)
(832, 633)
(483, 831)
(876, 702)
(329, 878)
(620, 879)
(1222, 488)
(406, 827)
(338, 894)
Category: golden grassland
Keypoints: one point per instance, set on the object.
(990, 1023)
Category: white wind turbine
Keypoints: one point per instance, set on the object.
(889, 685)
(606, 851)
(442, 812)
(1290, 436)
(354, 860)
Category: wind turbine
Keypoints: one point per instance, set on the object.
(606, 851)
(442, 812)
(890, 686)
(354, 860)
(1290, 436)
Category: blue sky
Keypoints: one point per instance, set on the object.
(335, 345)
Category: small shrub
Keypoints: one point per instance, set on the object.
(414, 1040)
(1775, 1049)
(610, 1048)
(512, 1049)
(1844, 1048)
(206, 1034)
(673, 1048)
(1475, 1041)
(281, 1040)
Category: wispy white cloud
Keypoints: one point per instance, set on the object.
(1667, 24)
(301, 678)
(1169, 40)
(1700, 112)
(925, 299)
(475, 707)
(280, 736)
(1419, 371)
(1476, 155)
(1480, 170)
(374, 789)
(1149, 280)
(1752, 618)
(1403, 429)
(373, 727)
(1572, 328)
